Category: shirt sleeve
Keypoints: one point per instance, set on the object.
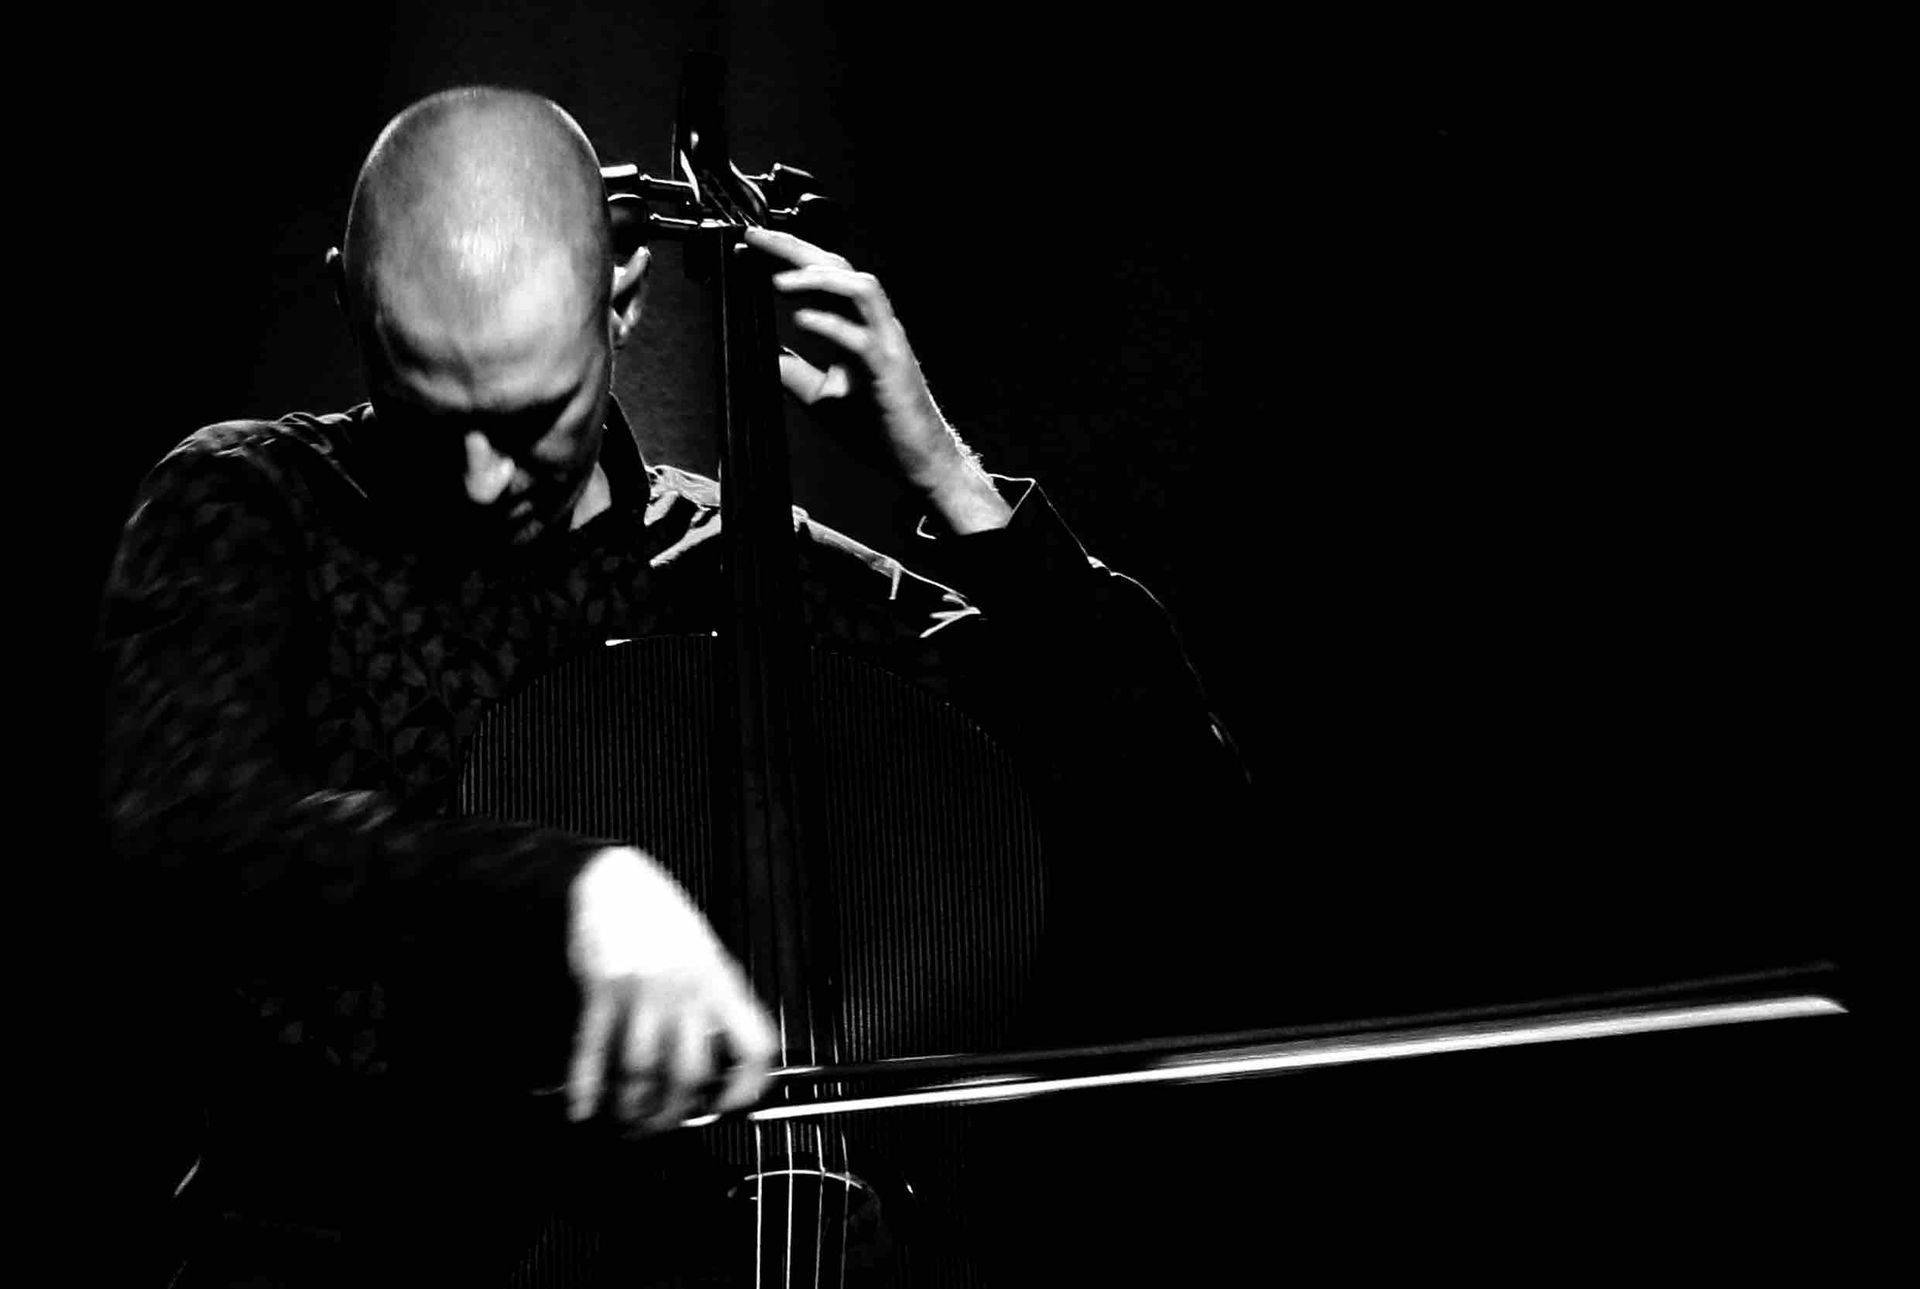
(1085, 631)
(202, 640)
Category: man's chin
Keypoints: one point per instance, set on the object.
(532, 534)
(481, 544)
(526, 538)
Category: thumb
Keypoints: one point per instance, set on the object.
(802, 379)
(810, 384)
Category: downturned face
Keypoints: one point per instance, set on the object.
(491, 422)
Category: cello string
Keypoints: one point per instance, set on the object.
(802, 921)
(760, 1167)
(835, 1029)
(846, 1202)
(819, 1200)
(846, 1164)
(794, 1161)
(836, 1039)
(819, 1196)
(786, 1273)
(792, 1157)
(820, 1189)
(759, 1201)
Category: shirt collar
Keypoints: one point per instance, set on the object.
(620, 457)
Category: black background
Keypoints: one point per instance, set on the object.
(1487, 400)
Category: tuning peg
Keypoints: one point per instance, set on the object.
(784, 185)
(813, 218)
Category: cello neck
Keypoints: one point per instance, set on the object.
(763, 683)
(764, 793)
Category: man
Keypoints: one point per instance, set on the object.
(307, 618)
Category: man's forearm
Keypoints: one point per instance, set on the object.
(965, 500)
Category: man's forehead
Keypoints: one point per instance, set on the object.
(534, 343)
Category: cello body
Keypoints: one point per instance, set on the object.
(936, 861)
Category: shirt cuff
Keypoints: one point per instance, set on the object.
(1012, 491)
(1034, 552)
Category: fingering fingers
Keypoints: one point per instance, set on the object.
(850, 336)
(862, 289)
(792, 249)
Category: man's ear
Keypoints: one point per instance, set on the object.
(629, 282)
(337, 275)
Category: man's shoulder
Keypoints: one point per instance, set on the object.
(279, 451)
(319, 435)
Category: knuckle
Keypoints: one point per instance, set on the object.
(746, 1047)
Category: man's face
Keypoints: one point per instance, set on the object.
(489, 427)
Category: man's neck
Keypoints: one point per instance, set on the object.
(597, 497)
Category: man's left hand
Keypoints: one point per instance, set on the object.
(876, 373)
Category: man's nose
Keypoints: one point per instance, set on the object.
(488, 472)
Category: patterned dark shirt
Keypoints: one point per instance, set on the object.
(291, 682)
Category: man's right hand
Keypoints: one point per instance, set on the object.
(661, 995)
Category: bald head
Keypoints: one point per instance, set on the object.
(470, 200)
(478, 274)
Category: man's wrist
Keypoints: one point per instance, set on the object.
(963, 499)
